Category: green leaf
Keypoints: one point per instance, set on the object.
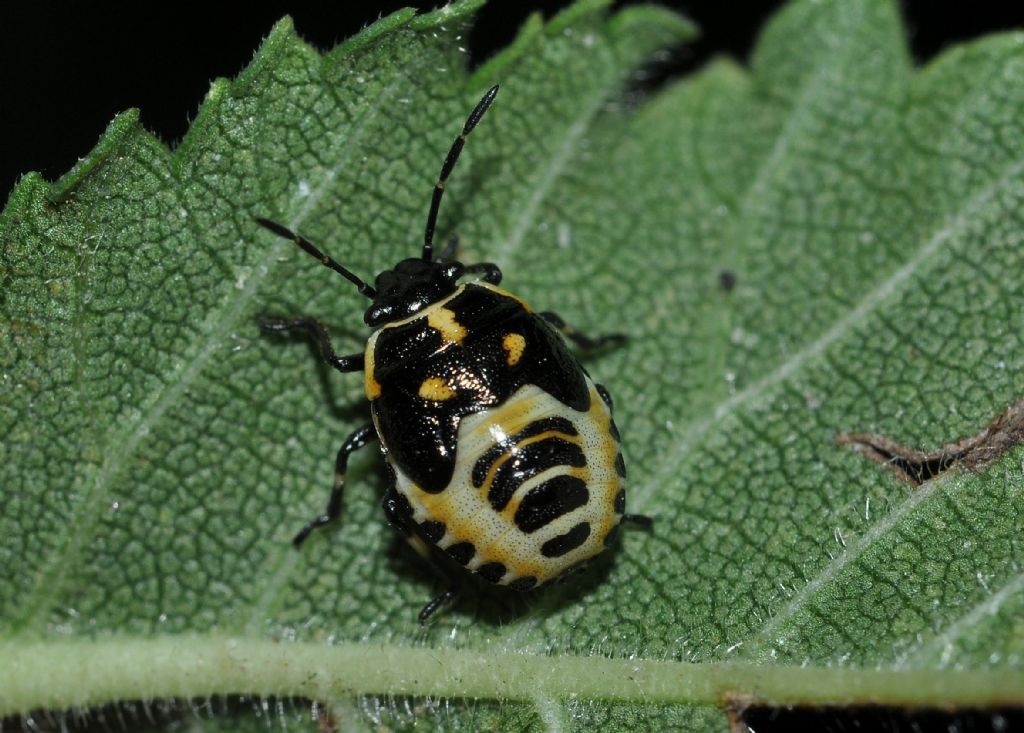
(157, 453)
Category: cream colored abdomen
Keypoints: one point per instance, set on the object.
(468, 515)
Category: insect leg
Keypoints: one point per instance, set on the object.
(399, 515)
(640, 520)
(450, 248)
(435, 603)
(354, 442)
(605, 395)
(316, 331)
(585, 342)
(490, 271)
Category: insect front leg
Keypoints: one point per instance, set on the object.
(354, 442)
(451, 247)
(587, 343)
(316, 331)
(491, 272)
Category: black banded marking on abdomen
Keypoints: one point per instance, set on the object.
(548, 424)
(547, 501)
(461, 552)
(432, 530)
(564, 543)
(526, 463)
(525, 583)
(492, 572)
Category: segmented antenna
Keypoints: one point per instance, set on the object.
(449, 163)
(307, 247)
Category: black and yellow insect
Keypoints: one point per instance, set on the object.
(504, 454)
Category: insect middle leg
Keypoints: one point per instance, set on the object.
(354, 442)
(316, 331)
(491, 272)
(587, 343)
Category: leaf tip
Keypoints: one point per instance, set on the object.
(460, 10)
(376, 30)
(531, 29)
(676, 27)
(576, 12)
(123, 126)
(219, 90)
(29, 192)
(282, 29)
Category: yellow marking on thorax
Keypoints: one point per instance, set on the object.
(436, 389)
(370, 383)
(514, 344)
(443, 321)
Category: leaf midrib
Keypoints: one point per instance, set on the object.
(61, 672)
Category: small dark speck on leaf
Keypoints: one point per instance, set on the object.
(726, 280)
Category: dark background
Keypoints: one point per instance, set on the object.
(68, 68)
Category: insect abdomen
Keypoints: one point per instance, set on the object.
(537, 489)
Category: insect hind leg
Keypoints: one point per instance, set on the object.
(399, 516)
(436, 602)
(641, 520)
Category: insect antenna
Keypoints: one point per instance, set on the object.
(306, 246)
(446, 169)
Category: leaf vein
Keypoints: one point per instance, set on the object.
(122, 444)
(942, 646)
(547, 176)
(756, 393)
